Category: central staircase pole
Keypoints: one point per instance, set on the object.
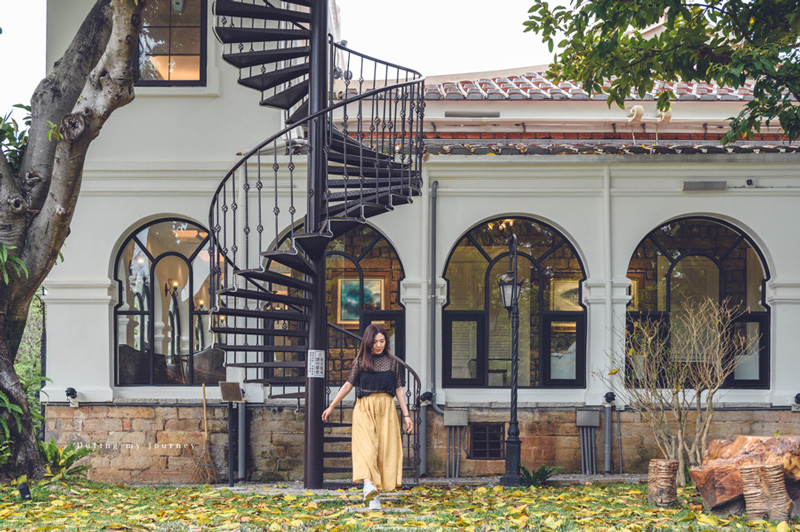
(317, 178)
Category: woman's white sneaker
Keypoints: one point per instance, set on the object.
(370, 492)
(375, 504)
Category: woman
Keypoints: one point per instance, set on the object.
(377, 450)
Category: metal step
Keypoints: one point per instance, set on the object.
(286, 381)
(295, 333)
(373, 183)
(336, 454)
(264, 348)
(314, 244)
(336, 424)
(390, 195)
(229, 8)
(287, 98)
(367, 170)
(336, 439)
(265, 57)
(298, 115)
(237, 35)
(266, 296)
(291, 259)
(352, 158)
(295, 395)
(306, 3)
(279, 364)
(268, 80)
(337, 469)
(263, 314)
(346, 212)
(341, 143)
(274, 277)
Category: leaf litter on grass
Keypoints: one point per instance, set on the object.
(89, 506)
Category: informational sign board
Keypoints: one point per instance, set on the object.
(316, 364)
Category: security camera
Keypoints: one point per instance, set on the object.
(72, 395)
(750, 182)
(178, 6)
(610, 397)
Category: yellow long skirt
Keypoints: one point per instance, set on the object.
(377, 449)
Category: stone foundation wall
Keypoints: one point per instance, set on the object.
(159, 444)
(551, 437)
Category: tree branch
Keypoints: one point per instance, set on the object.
(56, 96)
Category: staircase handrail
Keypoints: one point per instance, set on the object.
(284, 131)
(339, 46)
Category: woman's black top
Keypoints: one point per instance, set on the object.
(387, 377)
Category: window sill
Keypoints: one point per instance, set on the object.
(211, 89)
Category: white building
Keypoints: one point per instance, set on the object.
(616, 210)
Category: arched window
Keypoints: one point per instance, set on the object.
(162, 337)
(689, 259)
(477, 329)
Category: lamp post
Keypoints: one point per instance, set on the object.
(509, 291)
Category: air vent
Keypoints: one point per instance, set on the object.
(699, 186)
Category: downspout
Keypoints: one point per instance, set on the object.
(608, 301)
(434, 189)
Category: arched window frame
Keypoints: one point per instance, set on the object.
(761, 317)
(546, 317)
(147, 335)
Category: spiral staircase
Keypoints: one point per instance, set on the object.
(351, 150)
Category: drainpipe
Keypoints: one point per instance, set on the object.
(434, 189)
(242, 440)
(608, 303)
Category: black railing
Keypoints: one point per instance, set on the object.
(343, 346)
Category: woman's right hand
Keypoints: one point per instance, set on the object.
(326, 413)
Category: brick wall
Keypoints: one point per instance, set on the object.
(550, 437)
(159, 444)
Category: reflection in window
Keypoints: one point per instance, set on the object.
(551, 276)
(162, 333)
(172, 43)
(686, 260)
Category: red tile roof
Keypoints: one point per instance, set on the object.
(534, 86)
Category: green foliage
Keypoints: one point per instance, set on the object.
(5, 451)
(60, 461)
(7, 259)
(54, 132)
(28, 364)
(702, 41)
(9, 412)
(538, 477)
(13, 138)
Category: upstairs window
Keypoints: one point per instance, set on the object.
(172, 44)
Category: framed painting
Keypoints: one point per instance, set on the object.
(348, 310)
(564, 295)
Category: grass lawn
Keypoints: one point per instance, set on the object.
(87, 506)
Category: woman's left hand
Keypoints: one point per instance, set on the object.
(409, 424)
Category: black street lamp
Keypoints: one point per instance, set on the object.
(510, 287)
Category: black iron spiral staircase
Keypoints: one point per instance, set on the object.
(363, 148)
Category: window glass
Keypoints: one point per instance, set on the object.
(162, 314)
(551, 275)
(748, 368)
(172, 42)
(563, 350)
(464, 361)
(684, 261)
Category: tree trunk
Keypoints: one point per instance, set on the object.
(38, 198)
(26, 448)
(661, 482)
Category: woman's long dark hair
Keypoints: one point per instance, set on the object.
(365, 352)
